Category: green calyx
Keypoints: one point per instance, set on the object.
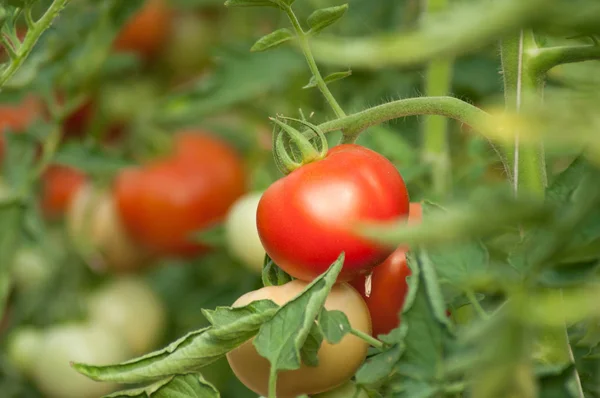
(292, 149)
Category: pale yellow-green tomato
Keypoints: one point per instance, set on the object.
(30, 268)
(132, 310)
(242, 234)
(337, 362)
(22, 348)
(63, 344)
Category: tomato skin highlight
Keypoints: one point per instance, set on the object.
(306, 219)
(388, 285)
(163, 203)
(60, 184)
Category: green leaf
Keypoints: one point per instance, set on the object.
(272, 275)
(229, 316)
(555, 381)
(329, 78)
(320, 19)
(499, 209)
(457, 263)
(378, 367)
(310, 349)
(425, 326)
(334, 325)
(272, 40)
(281, 338)
(180, 386)
(250, 3)
(187, 354)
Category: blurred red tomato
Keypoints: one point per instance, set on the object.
(18, 116)
(163, 203)
(388, 285)
(59, 186)
(146, 32)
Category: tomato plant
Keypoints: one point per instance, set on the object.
(304, 227)
(147, 124)
(163, 203)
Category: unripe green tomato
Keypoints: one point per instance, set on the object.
(337, 362)
(131, 309)
(348, 390)
(22, 348)
(242, 234)
(63, 344)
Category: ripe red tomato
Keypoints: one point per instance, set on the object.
(59, 186)
(163, 203)
(306, 219)
(145, 32)
(388, 285)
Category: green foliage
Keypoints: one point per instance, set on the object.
(320, 19)
(185, 386)
(271, 40)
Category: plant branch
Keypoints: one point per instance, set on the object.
(458, 31)
(450, 107)
(435, 150)
(304, 45)
(544, 59)
(369, 339)
(31, 38)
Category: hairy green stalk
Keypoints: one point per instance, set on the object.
(33, 34)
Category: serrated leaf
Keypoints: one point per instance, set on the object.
(281, 338)
(181, 386)
(230, 316)
(425, 326)
(329, 78)
(320, 19)
(187, 354)
(334, 325)
(250, 3)
(272, 40)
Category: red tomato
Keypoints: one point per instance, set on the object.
(145, 32)
(17, 117)
(388, 285)
(163, 203)
(59, 186)
(306, 219)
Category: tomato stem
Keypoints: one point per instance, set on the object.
(451, 107)
(33, 34)
(304, 45)
(273, 383)
(369, 339)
